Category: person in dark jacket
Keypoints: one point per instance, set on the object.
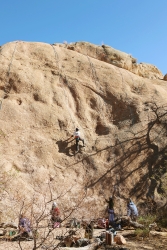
(110, 202)
(110, 210)
(132, 211)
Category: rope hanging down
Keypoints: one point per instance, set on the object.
(97, 83)
(67, 102)
(96, 80)
(118, 189)
(6, 91)
(130, 109)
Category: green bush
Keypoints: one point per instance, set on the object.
(146, 220)
(142, 232)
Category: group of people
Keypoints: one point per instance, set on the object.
(25, 228)
(132, 211)
(25, 225)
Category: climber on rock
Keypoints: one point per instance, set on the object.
(77, 138)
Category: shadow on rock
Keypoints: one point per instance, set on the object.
(64, 148)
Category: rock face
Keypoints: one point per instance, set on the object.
(46, 92)
(115, 57)
(165, 77)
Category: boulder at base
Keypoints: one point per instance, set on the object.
(120, 240)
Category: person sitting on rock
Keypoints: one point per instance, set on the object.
(55, 216)
(24, 226)
(77, 137)
(102, 223)
(132, 211)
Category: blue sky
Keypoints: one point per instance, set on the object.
(132, 26)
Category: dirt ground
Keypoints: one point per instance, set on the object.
(133, 243)
(143, 244)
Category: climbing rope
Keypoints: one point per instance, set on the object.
(96, 80)
(8, 74)
(120, 205)
(123, 86)
(97, 83)
(65, 82)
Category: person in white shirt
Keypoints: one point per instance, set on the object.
(77, 138)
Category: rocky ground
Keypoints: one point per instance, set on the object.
(150, 244)
(132, 243)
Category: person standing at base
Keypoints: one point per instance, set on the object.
(110, 211)
(77, 139)
(132, 211)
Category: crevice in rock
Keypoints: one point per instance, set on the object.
(102, 129)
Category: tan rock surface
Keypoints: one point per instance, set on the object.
(120, 240)
(118, 58)
(46, 92)
(165, 77)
